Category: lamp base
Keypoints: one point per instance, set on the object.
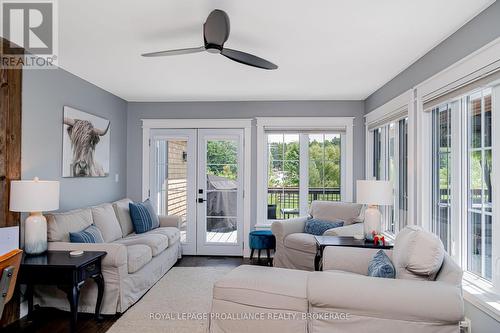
(372, 222)
(35, 234)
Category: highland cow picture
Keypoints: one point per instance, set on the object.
(86, 144)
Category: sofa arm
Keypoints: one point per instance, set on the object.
(170, 221)
(410, 300)
(349, 259)
(348, 230)
(281, 229)
(116, 254)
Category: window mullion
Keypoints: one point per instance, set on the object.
(303, 173)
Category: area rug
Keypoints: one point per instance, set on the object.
(179, 302)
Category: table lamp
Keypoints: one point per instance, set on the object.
(373, 193)
(34, 196)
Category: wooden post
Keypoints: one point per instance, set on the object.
(10, 156)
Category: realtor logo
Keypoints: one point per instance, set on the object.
(30, 26)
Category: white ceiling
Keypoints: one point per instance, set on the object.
(325, 49)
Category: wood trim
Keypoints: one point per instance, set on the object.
(10, 156)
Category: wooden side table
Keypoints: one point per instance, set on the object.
(68, 273)
(324, 241)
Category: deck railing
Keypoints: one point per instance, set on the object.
(286, 200)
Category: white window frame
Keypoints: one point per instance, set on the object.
(478, 291)
(345, 125)
(392, 112)
(459, 183)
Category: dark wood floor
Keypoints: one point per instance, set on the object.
(49, 320)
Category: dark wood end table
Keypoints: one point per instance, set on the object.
(67, 273)
(324, 241)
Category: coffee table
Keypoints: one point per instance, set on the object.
(324, 241)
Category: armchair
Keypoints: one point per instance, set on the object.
(296, 249)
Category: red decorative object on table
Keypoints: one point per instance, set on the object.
(378, 239)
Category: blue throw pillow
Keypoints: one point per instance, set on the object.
(91, 234)
(381, 266)
(152, 212)
(143, 216)
(318, 227)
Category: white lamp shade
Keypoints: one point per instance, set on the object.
(374, 192)
(34, 195)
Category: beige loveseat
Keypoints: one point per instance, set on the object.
(132, 265)
(296, 249)
(425, 296)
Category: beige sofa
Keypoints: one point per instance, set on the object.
(132, 265)
(344, 298)
(296, 249)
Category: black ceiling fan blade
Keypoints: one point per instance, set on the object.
(216, 28)
(248, 59)
(175, 52)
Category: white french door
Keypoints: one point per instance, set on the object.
(220, 192)
(198, 175)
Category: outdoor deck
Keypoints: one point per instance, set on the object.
(222, 237)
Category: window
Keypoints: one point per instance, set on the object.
(403, 173)
(390, 162)
(441, 194)
(301, 167)
(324, 167)
(479, 165)
(299, 160)
(468, 213)
(283, 175)
(377, 153)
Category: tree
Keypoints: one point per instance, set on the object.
(222, 158)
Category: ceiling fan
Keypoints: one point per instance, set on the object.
(216, 33)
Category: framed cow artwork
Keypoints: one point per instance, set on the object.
(86, 144)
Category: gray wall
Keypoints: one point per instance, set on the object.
(478, 32)
(480, 321)
(138, 111)
(45, 92)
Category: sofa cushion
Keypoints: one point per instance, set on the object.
(302, 242)
(172, 233)
(137, 257)
(158, 243)
(381, 266)
(123, 215)
(318, 227)
(266, 287)
(143, 217)
(104, 218)
(417, 254)
(91, 234)
(332, 211)
(59, 225)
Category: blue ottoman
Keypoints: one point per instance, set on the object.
(262, 240)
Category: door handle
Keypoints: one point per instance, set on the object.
(201, 200)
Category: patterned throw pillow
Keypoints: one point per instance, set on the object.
(151, 210)
(381, 266)
(143, 216)
(91, 234)
(318, 227)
